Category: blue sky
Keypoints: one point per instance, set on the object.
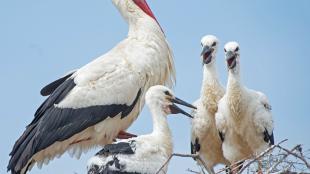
(42, 40)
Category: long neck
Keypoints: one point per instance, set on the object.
(234, 94)
(145, 27)
(161, 133)
(210, 78)
(160, 124)
(234, 82)
(211, 90)
(159, 58)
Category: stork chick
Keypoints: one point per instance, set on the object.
(98, 102)
(244, 116)
(144, 154)
(205, 139)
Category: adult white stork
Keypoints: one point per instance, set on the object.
(244, 116)
(92, 105)
(144, 154)
(205, 139)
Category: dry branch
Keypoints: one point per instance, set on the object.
(281, 160)
(260, 156)
(274, 160)
(194, 156)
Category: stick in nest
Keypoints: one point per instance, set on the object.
(194, 156)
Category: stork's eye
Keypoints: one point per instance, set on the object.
(201, 44)
(214, 44)
(225, 50)
(237, 49)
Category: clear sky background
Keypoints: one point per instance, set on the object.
(42, 40)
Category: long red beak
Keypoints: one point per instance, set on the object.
(142, 4)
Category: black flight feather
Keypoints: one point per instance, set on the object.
(50, 88)
(52, 124)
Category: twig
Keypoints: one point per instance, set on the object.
(284, 170)
(233, 167)
(281, 160)
(260, 156)
(295, 155)
(192, 171)
(274, 160)
(194, 156)
(230, 167)
(164, 164)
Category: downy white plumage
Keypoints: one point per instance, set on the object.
(205, 139)
(144, 154)
(244, 116)
(95, 103)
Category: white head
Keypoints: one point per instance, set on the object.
(232, 55)
(209, 45)
(161, 97)
(132, 10)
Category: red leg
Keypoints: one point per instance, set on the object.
(78, 141)
(125, 135)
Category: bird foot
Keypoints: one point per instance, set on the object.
(125, 135)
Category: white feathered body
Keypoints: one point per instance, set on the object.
(133, 65)
(151, 152)
(203, 123)
(243, 117)
(117, 79)
(142, 60)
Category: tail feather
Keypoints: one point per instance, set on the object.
(22, 151)
(22, 138)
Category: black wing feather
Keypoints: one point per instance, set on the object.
(222, 136)
(118, 148)
(52, 124)
(192, 148)
(268, 138)
(95, 169)
(271, 139)
(125, 148)
(105, 168)
(195, 146)
(50, 88)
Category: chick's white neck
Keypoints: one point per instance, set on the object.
(234, 81)
(210, 75)
(235, 92)
(160, 124)
(211, 90)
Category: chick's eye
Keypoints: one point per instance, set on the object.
(201, 44)
(214, 44)
(237, 49)
(167, 93)
(225, 50)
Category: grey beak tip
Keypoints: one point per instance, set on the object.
(204, 50)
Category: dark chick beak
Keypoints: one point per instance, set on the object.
(205, 49)
(230, 54)
(176, 110)
(231, 59)
(181, 102)
(207, 54)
